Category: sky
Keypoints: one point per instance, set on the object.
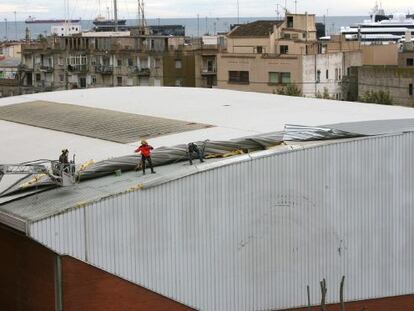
(89, 9)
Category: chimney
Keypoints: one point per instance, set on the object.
(408, 44)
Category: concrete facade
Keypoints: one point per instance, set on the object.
(88, 62)
(327, 71)
(259, 68)
(393, 79)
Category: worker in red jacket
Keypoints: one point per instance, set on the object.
(145, 151)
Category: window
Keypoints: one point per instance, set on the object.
(410, 89)
(259, 49)
(279, 78)
(336, 74)
(410, 61)
(290, 22)
(327, 74)
(38, 78)
(119, 81)
(61, 78)
(286, 35)
(93, 79)
(178, 64)
(130, 62)
(119, 62)
(340, 74)
(178, 82)
(157, 63)
(61, 61)
(284, 49)
(239, 77)
(285, 77)
(273, 77)
(318, 76)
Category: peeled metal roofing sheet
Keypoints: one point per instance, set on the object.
(98, 123)
(376, 127)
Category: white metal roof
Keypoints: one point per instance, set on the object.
(233, 114)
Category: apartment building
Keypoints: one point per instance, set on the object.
(267, 56)
(100, 60)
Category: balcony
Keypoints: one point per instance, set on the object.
(104, 69)
(23, 67)
(208, 71)
(141, 72)
(77, 68)
(46, 68)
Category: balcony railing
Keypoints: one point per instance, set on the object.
(46, 68)
(104, 69)
(209, 71)
(77, 68)
(143, 72)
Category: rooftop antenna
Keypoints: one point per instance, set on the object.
(296, 6)
(141, 17)
(99, 8)
(116, 15)
(238, 12)
(5, 24)
(277, 11)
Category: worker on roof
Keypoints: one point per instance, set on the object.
(145, 150)
(191, 148)
(64, 157)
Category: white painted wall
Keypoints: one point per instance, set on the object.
(66, 29)
(333, 62)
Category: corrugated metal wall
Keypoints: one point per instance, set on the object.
(253, 235)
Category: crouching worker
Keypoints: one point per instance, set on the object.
(192, 147)
(145, 151)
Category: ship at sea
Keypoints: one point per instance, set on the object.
(33, 20)
(103, 24)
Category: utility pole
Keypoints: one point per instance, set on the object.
(206, 25)
(15, 25)
(198, 25)
(5, 25)
(238, 12)
(116, 15)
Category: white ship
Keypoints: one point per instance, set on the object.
(380, 28)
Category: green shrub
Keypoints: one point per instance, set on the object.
(381, 97)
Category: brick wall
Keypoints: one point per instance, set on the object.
(400, 303)
(26, 274)
(88, 288)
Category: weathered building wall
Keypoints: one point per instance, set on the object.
(391, 79)
(179, 69)
(322, 73)
(380, 54)
(259, 68)
(406, 59)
